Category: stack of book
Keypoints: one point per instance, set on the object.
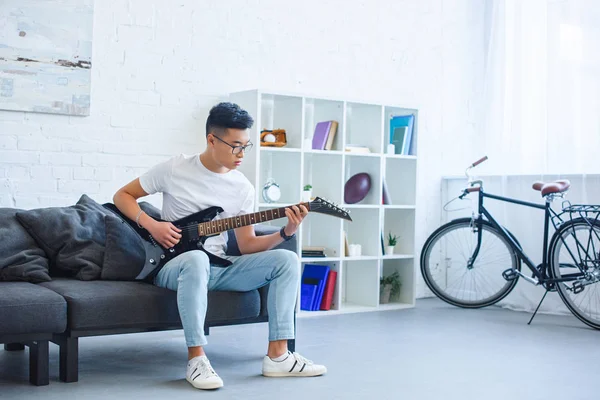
(313, 251)
(317, 287)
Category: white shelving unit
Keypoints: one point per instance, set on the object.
(296, 164)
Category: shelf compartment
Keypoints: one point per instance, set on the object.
(319, 110)
(284, 169)
(371, 165)
(283, 112)
(364, 230)
(322, 230)
(401, 223)
(405, 269)
(401, 180)
(364, 125)
(323, 171)
(360, 283)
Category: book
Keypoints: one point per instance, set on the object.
(354, 148)
(315, 274)
(307, 296)
(332, 131)
(386, 194)
(320, 136)
(328, 291)
(401, 130)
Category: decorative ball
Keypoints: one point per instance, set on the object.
(269, 138)
(357, 188)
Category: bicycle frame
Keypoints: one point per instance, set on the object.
(549, 215)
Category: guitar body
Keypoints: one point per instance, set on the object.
(157, 256)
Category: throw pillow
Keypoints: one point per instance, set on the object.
(21, 259)
(124, 255)
(72, 237)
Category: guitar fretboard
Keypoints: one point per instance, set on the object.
(225, 224)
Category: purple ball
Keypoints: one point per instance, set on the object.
(356, 188)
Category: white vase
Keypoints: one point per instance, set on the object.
(389, 250)
(306, 195)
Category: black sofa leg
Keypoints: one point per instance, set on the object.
(39, 371)
(69, 359)
(14, 346)
(292, 345)
(292, 342)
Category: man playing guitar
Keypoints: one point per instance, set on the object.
(196, 182)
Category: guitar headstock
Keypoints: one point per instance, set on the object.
(323, 206)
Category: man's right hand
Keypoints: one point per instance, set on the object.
(165, 233)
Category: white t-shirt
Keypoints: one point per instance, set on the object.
(188, 187)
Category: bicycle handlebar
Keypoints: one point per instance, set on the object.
(476, 163)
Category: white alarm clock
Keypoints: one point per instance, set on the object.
(271, 192)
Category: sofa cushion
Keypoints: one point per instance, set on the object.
(116, 304)
(72, 237)
(29, 308)
(21, 259)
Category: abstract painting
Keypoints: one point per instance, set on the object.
(46, 55)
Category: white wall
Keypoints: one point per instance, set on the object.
(159, 65)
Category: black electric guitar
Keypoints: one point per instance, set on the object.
(196, 228)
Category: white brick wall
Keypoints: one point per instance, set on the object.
(158, 66)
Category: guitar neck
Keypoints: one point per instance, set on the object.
(225, 224)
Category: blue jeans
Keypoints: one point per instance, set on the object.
(192, 276)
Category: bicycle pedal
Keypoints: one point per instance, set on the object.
(578, 287)
(510, 274)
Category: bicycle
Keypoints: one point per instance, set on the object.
(478, 261)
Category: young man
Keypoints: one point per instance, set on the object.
(192, 183)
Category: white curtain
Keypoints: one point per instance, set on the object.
(541, 109)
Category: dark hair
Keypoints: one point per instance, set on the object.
(227, 115)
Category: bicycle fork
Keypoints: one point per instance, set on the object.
(476, 227)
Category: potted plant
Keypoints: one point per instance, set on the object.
(389, 287)
(307, 193)
(391, 242)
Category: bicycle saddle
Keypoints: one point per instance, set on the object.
(552, 187)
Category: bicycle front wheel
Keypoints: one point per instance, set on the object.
(575, 263)
(445, 258)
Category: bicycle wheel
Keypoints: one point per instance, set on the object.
(574, 256)
(444, 262)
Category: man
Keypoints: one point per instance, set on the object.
(193, 183)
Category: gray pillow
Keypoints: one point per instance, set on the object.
(72, 237)
(21, 259)
(125, 255)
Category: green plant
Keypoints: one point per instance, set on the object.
(392, 239)
(394, 280)
(307, 187)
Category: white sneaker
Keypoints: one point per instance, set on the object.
(201, 374)
(293, 365)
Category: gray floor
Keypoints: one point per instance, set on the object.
(434, 351)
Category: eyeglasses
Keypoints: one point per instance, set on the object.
(236, 149)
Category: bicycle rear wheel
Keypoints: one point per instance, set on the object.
(574, 256)
(444, 264)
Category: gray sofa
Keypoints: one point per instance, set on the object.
(64, 309)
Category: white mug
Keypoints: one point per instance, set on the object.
(391, 149)
(355, 250)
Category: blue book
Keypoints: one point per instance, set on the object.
(307, 296)
(316, 275)
(401, 131)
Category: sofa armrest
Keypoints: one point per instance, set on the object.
(259, 230)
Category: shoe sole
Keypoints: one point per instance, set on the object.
(284, 374)
(211, 386)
